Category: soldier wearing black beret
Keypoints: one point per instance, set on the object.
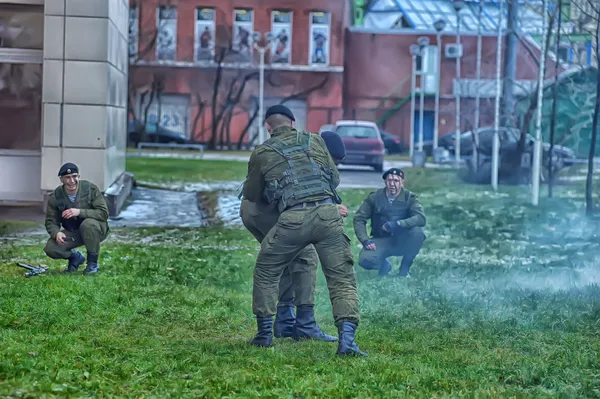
(310, 199)
(397, 221)
(76, 215)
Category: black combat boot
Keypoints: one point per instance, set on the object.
(347, 346)
(405, 266)
(92, 264)
(284, 320)
(385, 268)
(306, 327)
(76, 259)
(264, 337)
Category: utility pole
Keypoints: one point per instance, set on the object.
(496, 140)
(475, 157)
(458, 5)
(554, 102)
(537, 149)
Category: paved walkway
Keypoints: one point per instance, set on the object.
(150, 207)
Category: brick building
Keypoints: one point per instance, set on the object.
(324, 69)
(191, 49)
(378, 76)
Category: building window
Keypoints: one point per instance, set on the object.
(133, 32)
(281, 28)
(319, 38)
(166, 41)
(243, 26)
(21, 26)
(205, 34)
(21, 38)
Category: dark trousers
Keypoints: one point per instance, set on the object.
(407, 244)
(91, 233)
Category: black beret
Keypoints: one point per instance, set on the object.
(393, 171)
(335, 145)
(67, 169)
(281, 110)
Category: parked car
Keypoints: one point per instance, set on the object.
(326, 128)
(364, 145)
(392, 143)
(509, 139)
(135, 131)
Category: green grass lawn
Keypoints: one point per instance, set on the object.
(497, 306)
(169, 170)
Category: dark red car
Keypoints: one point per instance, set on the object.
(364, 145)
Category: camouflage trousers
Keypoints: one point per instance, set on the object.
(297, 284)
(323, 227)
(91, 233)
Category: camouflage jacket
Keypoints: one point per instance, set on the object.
(376, 207)
(89, 200)
(266, 164)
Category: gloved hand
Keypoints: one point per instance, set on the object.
(369, 245)
(392, 226)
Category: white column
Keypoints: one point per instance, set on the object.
(85, 89)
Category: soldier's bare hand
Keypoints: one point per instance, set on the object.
(71, 213)
(342, 210)
(60, 237)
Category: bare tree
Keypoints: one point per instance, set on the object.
(591, 15)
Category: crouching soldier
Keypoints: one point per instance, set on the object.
(79, 207)
(397, 221)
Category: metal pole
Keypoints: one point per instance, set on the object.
(421, 99)
(496, 141)
(537, 149)
(411, 147)
(457, 119)
(477, 93)
(436, 132)
(261, 96)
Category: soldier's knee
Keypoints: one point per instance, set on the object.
(368, 263)
(90, 225)
(51, 251)
(416, 235)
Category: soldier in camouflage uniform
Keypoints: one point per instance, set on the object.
(80, 208)
(397, 221)
(294, 172)
(298, 281)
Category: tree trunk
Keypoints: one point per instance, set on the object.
(510, 66)
(247, 128)
(197, 116)
(554, 104)
(589, 200)
(146, 111)
(215, 99)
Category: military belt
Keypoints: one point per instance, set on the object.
(311, 204)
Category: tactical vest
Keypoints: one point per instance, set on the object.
(83, 201)
(386, 211)
(303, 177)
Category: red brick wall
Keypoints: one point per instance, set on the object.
(262, 23)
(378, 64)
(323, 105)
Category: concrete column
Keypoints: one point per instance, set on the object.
(85, 89)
